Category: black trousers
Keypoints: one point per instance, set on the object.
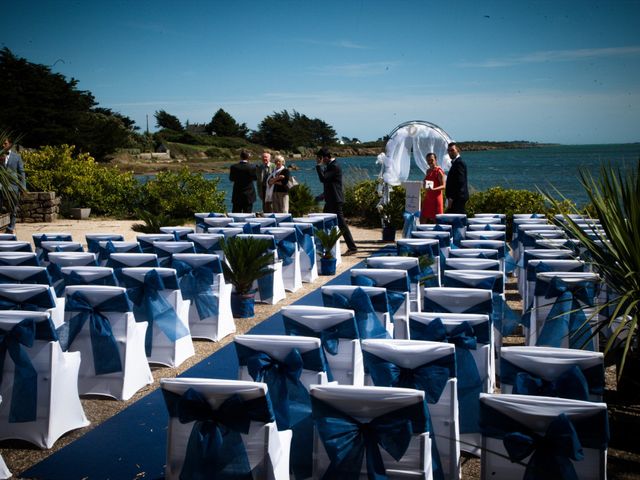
(346, 233)
(457, 206)
(242, 207)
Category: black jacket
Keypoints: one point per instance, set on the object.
(456, 186)
(331, 178)
(243, 174)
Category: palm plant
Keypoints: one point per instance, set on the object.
(301, 200)
(152, 221)
(246, 259)
(328, 240)
(614, 251)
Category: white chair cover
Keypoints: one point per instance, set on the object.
(8, 236)
(416, 275)
(342, 349)
(57, 260)
(164, 250)
(498, 245)
(475, 227)
(365, 405)
(457, 220)
(379, 304)
(119, 372)
(58, 247)
(207, 243)
(118, 261)
(532, 369)
(289, 253)
(204, 320)
(241, 217)
(212, 222)
(15, 246)
(471, 263)
(5, 473)
(475, 366)
(16, 259)
(486, 235)
(201, 226)
(270, 288)
(444, 239)
(395, 280)
(50, 236)
(179, 232)
(490, 253)
(321, 223)
(34, 275)
(487, 219)
(146, 240)
(266, 448)
(539, 416)
(89, 275)
(107, 247)
(307, 246)
(32, 297)
(564, 318)
(57, 405)
(280, 217)
(94, 239)
(228, 232)
(418, 247)
(169, 340)
(422, 358)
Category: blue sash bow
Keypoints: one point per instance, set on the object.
(465, 337)
(196, 285)
(74, 278)
(150, 306)
(330, 336)
(457, 225)
(212, 248)
(215, 448)
(24, 396)
(348, 441)
(430, 377)
(93, 244)
(286, 249)
(40, 277)
(369, 326)
(307, 244)
(106, 354)
(36, 303)
(251, 228)
(57, 279)
(551, 453)
(395, 289)
(409, 223)
(567, 317)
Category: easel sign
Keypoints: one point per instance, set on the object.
(412, 200)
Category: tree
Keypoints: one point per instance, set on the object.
(224, 125)
(168, 121)
(284, 130)
(45, 108)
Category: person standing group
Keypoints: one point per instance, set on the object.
(242, 175)
(278, 187)
(12, 161)
(432, 203)
(263, 171)
(330, 174)
(456, 187)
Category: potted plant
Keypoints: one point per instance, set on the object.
(246, 260)
(327, 242)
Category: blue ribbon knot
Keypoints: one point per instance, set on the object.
(368, 323)
(42, 300)
(395, 289)
(330, 337)
(196, 285)
(150, 306)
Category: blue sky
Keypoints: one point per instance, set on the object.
(547, 71)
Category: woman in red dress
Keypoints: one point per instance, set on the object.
(432, 203)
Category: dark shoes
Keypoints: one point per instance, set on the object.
(8, 230)
(351, 251)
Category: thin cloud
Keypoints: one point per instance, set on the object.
(555, 56)
(354, 69)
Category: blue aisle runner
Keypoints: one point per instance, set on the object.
(132, 444)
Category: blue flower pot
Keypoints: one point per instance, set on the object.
(327, 266)
(242, 305)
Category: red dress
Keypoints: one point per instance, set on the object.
(432, 203)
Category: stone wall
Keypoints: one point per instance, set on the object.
(38, 207)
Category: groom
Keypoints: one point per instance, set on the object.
(456, 187)
(12, 161)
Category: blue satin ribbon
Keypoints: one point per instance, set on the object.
(93, 244)
(42, 300)
(265, 286)
(430, 377)
(409, 225)
(466, 338)
(150, 306)
(57, 279)
(424, 253)
(196, 285)
(573, 383)
(330, 336)
(24, 395)
(308, 245)
(41, 277)
(213, 248)
(251, 228)
(369, 325)
(457, 225)
(286, 250)
(348, 441)
(215, 448)
(106, 354)
(106, 251)
(395, 289)
(287, 219)
(37, 240)
(566, 318)
(484, 308)
(164, 257)
(21, 247)
(28, 261)
(74, 278)
(289, 397)
(550, 454)
(411, 250)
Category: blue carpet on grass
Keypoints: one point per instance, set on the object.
(132, 444)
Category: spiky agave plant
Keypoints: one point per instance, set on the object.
(615, 250)
(328, 240)
(246, 259)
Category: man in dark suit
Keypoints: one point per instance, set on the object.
(331, 177)
(242, 175)
(12, 161)
(456, 187)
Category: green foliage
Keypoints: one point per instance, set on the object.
(246, 259)
(166, 120)
(301, 200)
(181, 194)
(48, 109)
(615, 200)
(287, 131)
(507, 201)
(362, 198)
(79, 180)
(328, 240)
(152, 222)
(224, 125)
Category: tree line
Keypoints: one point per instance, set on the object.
(46, 108)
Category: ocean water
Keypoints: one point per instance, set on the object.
(521, 169)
